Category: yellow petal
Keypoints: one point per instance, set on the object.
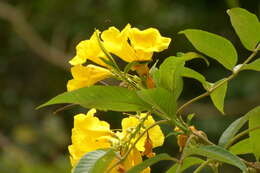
(134, 158)
(88, 50)
(74, 84)
(86, 75)
(114, 39)
(155, 134)
(88, 134)
(77, 60)
(129, 123)
(148, 40)
(128, 54)
(116, 42)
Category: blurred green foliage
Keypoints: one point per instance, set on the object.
(36, 141)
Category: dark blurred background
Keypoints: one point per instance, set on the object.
(38, 37)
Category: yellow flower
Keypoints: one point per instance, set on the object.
(89, 134)
(148, 40)
(132, 44)
(84, 76)
(88, 49)
(155, 134)
(114, 39)
(86, 134)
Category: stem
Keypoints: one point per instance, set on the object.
(183, 153)
(132, 147)
(252, 55)
(202, 166)
(203, 138)
(234, 74)
(179, 111)
(250, 164)
(235, 138)
(137, 129)
(109, 56)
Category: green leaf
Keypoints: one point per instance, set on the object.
(217, 153)
(154, 72)
(190, 73)
(255, 65)
(160, 99)
(169, 75)
(189, 118)
(247, 27)
(213, 46)
(187, 162)
(138, 168)
(218, 96)
(103, 98)
(254, 135)
(95, 161)
(242, 147)
(192, 55)
(232, 130)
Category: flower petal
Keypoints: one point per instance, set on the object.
(148, 40)
(86, 134)
(155, 134)
(88, 49)
(133, 159)
(114, 39)
(86, 75)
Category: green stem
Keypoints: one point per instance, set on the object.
(183, 155)
(109, 56)
(234, 74)
(202, 166)
(235, 138)
(203, 138)
(137, 129)
(252, 55)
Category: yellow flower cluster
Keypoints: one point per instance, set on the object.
(89, 134)
(130, 44)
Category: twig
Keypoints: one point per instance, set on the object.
(235, 138)
(184, 153)
(205, 163)
(207, 93)
(250, 164)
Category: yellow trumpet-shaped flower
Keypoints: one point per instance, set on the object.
(86, 134)
(154, 135)
(114, 39)
(90, 134)
(148, 40)
(130, 44)
(89, 50)
(84, 76)
(117, 43)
